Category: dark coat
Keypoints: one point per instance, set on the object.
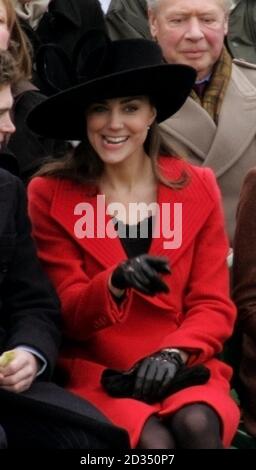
(26, 299)
(30, 149)
(29, 315)
(127, 19)
(65, 23)
(241, 37)
(244, 281)
(67, 20)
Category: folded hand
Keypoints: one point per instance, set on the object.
(142, 273)
(154, 376)
(19, 374)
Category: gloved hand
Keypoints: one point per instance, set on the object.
(142, 273)
(155, 374)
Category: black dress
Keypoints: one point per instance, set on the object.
(135, 239)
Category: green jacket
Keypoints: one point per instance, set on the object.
(127, 19)
(242, 31)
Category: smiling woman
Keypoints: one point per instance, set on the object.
(137, 313)
(117, 128)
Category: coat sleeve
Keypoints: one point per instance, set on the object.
(208, 313)
(30, 307)
(87, 305)
(244, 268)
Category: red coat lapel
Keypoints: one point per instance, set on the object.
(195, 200)
(107, 251)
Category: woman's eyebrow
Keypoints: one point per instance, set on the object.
(131, 98)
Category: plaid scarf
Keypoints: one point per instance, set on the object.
(214, 94)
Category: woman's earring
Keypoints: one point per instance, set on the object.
(148, 128)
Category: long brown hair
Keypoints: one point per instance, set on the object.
(82, 164)
(19, 45)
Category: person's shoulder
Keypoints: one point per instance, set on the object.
(176, 165)
(46, 187)
(43, 185)
(204, 178)
(11, 186)
(250, 178)
(44, 182)
(204, 175)
(198, 176)
(248, 69)
(7, 177)
(248, 192)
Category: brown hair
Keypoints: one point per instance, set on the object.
(19, 45)
(83, 164)
(8, 69)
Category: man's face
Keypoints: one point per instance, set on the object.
(190, 32)
(6, 125)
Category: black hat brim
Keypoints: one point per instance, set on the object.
(63, 116)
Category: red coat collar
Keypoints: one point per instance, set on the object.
(195, 198)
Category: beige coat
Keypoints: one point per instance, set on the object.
(229, 148)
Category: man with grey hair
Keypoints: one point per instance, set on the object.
(217, 125)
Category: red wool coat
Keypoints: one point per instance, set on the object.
(197, 314)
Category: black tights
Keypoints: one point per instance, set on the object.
(194, 426)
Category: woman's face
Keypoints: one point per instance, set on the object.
(117, 128)
(4, 30)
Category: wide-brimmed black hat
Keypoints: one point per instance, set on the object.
(115, 69)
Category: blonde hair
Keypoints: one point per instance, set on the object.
(19, 45)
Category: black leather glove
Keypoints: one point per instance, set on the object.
(155, 374)
(142, 273)
(120, 384)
